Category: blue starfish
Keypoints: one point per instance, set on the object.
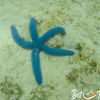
(38, 44)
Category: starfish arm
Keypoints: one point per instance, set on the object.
(36, 66)
(51, 32)
(21, 42)
(56, 51)
(32, 29)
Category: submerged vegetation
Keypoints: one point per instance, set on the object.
(43, 92)
(90, 67)
(88, 71)
(73, 76)
(10, 90)
(80, 48)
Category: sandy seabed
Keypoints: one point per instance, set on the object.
(81, 20)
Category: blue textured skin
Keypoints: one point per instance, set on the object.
(38, 44)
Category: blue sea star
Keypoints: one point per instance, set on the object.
(38, 44)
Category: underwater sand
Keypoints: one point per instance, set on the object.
(81, 20)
